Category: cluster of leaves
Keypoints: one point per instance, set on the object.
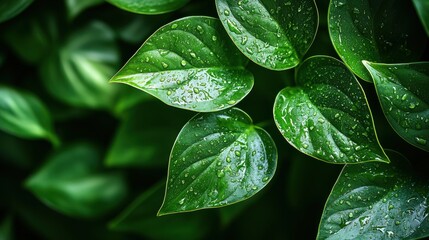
(108, 142)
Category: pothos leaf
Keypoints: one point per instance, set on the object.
(191, 64)
(422, 7)
(402, 91)
(326, 115)
(273, 34)
(376, 201)
(218, 159)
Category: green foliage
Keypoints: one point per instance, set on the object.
(169, 154)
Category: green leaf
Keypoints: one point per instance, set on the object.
(140, 218)
(422, 7)
(6, 229)
(218, 159)
(11, 8)
(74, 7)
(71, 183)
(191, 64)
(376, 31)
(142, 137)
(24, 115)
(149, 6)
(273, 34)
(376, 201)
(326, 115)
(402, 91)
(79, 71)
(127, 98)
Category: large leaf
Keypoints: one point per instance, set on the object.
(149, 6)
(422, 7)
(191, 64)
(326, 115)
(71, 183)
(376, 31)
(74, 7)
(142, 138)
(402, 91)
(24, 115)
(273, 34)
(376, 201)
(140, 218)
(79, 71)
(218, 159)
(11, 8)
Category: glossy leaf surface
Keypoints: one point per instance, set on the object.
(11, 8)
(24, 115)
(78, 73)
(422, 7)
(326, 115)
(273, 34)
(376, 201)
(218, 159)
(140, 218)
(149, 6)
(403, 93)
(191, 64)
(375, 31)
(80, 189)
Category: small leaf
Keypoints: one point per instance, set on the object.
(140, 218)
(149, 6)
(376, 31)
(75, 7)
(79, 71)
(11, 8)
(402, 91)
(376, 201)
(24, 115)
(142, 137)
(326, 115)
(273, 34)
(218, 159)
(71, 183)
(422, 7)
(189, 64)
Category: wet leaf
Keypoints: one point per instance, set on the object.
(191, 64)
(149, 6)
(422, 7)
(273, 34)
(375, 31)
(402, 91)
(376, 201)
(140, 218)
(79, 71)
(75, 7)
(24, 115)
(71, 182)
(326, 115)
(218, 159)
(11, 8)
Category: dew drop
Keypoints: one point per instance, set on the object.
(183, 63)
(174, 26)
(226, 12)
(233, 27)
(169, 93)
(237, 153)
(182, 201)
(421, 141)
(164, 65)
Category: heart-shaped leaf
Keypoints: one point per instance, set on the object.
(376, 31)
(140, 218)
(376, 201)
(273, 34)
(79, 188)
(326, 115)
(79, 71)
(11, 8)
(24, 115)
(422, 7)
(191, 64)
(402, 91)
(149, 6)
(218, 159)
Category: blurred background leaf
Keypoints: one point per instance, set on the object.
(11, 8)
(6, 229)
(74, 7)
(79, 189)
